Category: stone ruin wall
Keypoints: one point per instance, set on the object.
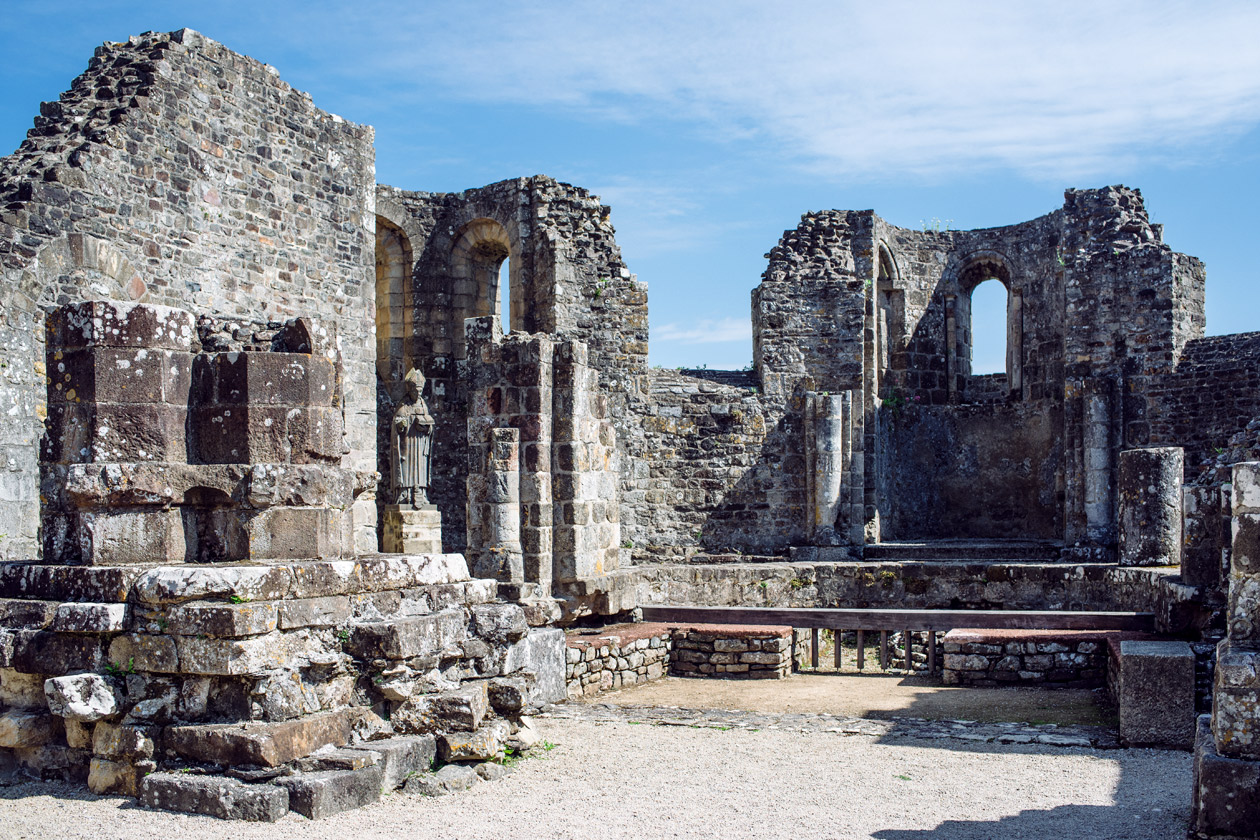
(176, 172)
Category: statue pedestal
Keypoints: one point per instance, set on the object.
(412, 530)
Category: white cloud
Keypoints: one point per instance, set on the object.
(705, 331)
(1055, 89)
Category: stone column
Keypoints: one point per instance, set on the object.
(827, 466)
(503, 505)
(1227, 743)
(1150, 506)
(1097, 474)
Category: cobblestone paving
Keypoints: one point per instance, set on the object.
(901, 727)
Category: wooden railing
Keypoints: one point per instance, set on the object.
(907, 621)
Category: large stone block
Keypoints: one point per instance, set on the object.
(460, 710)
(318, 795)
(485, 744)
(120, 538)
(542, 653)
(405, 638)
(251, 434)
(1157, 694)
(219, 619)
(215, 796)
(1236, 701)
(81, 697)
(293, 533)
(401, 756)
(115, 432)
(262, 378)
(89, 618)
(265, 744)
(23, 729)
(119, 375)
(1225, 800)
(101, 323)
(124, 778)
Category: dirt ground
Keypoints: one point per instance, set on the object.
(872, 696)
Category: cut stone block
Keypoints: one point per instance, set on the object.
(402, 756)
(90, 618)
(1149, 487)
(408, 637)
(215, 796)
(462, 709)
(33, 650)
(1225, 801)
(54, 761)
(219, 619)
(499, 623)
(81, 697)
(1157, 694)
(101, 323)
(127, 537)
(331, 758)
(541, 652)
(16, 614)
(131, 743)
(318, 795)
(22, 730)
(330, 611)
(265, 744)
(1236, 701)
(486, 744)
(141, 652)
(119, 777)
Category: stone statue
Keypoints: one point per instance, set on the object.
(412, 445)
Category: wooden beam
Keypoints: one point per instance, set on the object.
(900, 619)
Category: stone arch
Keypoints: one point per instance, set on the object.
(479, 249)
(395, 310)
(93, 268)
(977, 268)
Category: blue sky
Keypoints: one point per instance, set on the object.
(710, 127)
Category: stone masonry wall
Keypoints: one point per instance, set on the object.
(179, 173)
(616, 657)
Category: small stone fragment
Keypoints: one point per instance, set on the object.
(82, 697)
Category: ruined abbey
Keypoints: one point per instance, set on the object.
(276, 479)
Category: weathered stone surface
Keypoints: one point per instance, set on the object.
(318, 795)
(145, 652)
(119, 777)
(125, 742)
(485, 744)
(1225, 804)
(450, 779)
(21, 730)
(542, 652)
(461, 709)
(330, 611)
(219, 619)
(34, 650)
(1150, 506)
(67, 583)
(89, 618)
(248, 583)
(401, 757)
(332, 758)
(215, 796)
(19, 614)
(508, 695)
(81, 697)
(22, 691)
(499, 623)
(54, 761)
(266, 744)
(1156, 696)
(405, 638)
(1236, 701)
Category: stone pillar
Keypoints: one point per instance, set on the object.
(1205, 537)
(1150, 506)
(826, 443)
(1097, 472)
(503, 506)
(1227, 750)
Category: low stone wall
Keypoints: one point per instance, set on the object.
(616, 657)
(1050, 658)
(732, 652)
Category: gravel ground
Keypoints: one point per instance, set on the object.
(617, 780)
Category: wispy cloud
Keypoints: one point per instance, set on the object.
(706, 331)
(860, 89)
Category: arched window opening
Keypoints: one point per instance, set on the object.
(891, 315)
(394, 316)
(989, 304)
(484, 271)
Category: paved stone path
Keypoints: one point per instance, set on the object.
(900, 727)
